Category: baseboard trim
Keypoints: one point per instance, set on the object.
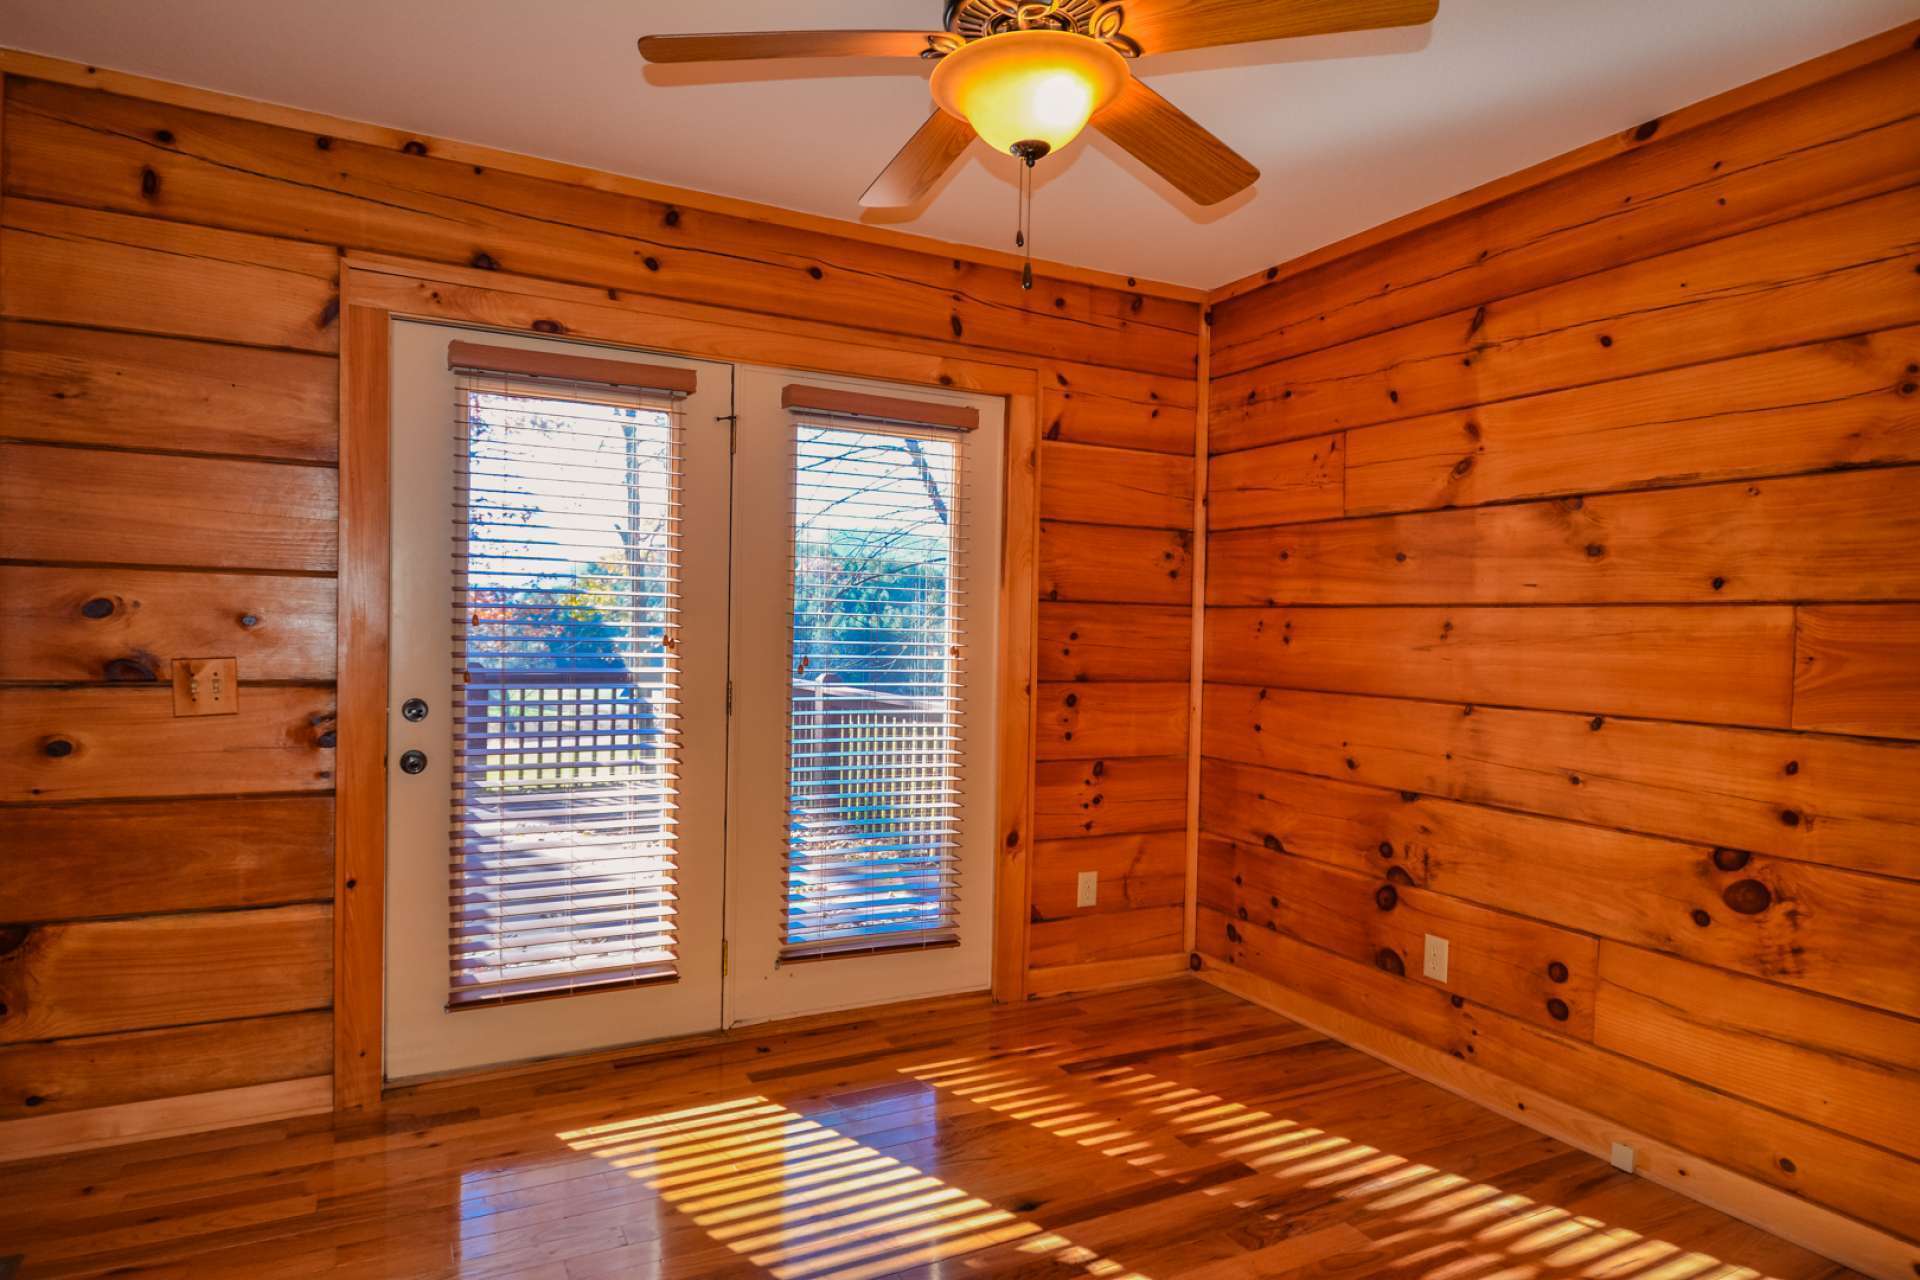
(1826, 1232)
(1105, 975)
(164, 1118)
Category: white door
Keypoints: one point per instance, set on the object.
(866, 556)
(557, 719)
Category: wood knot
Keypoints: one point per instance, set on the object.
(1072, 699)
(1386, 897)
(1647, 130)
(1789, 818)
(12, 938)
(249, 620)
(548, 326)
(672, 218)
(1557, 1009)
(1748, 897)
(414, 147)
(1557, 971)
(1731, 859)
(816, 273)
(1233, 934)
(1386, 849)
(1400, 875)
(959, 330)
(325, 741)
(56, 748)
(1701, 918)
(97, 608)
(1273, 842)
(1193, 961)
(1388, 959)
(163, 136)
(650, 263)
(131, 670)
(483, 261)
(149, 182)
(1788, 1166)
(323, 143)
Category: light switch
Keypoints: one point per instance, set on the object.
(206, 686)
(1622, 1157)
(1089, 889)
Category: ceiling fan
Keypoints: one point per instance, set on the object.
(1028, 75)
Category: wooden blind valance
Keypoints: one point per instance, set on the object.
(871, 408)
(478, 357)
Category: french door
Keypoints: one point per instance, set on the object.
(866, 553)
(682, 692)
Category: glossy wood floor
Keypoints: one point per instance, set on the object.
(1169, 1131)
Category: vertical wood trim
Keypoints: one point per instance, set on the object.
(1196, 669)
(1019, 655)
(360, 815)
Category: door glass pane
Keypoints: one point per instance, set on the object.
(873, 753)
(566, 686)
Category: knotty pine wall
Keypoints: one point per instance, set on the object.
(1563, 599)
(169, 392)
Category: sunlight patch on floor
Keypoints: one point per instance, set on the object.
(806, 1202)
(1456, 1228)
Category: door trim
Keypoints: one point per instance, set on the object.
(377, 289)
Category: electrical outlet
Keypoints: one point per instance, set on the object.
(1622, 1157)
(1089, 889)
(1435, 963)
(206, 687)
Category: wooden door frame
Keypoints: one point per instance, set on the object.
(377, 289)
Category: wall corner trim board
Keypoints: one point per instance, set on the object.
(1539, 570)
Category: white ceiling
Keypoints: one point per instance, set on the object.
(1349, 131)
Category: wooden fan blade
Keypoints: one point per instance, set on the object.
(1161, 26)
(744, 45)
(1168, 141)
(929, 153)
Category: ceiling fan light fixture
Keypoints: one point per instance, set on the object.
(1026, 87)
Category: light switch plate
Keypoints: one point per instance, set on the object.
(1622, 1157)
(1435, 963)
(206, 686)
(1089, 889)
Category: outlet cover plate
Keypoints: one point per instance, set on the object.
(1434, 965)
(1622, 1157)
(1089, 889)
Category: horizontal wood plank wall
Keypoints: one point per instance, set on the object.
(1561, 602)
(169, 431)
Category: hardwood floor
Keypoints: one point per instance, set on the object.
(1167, 1131)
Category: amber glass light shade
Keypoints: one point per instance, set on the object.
(1029, 86)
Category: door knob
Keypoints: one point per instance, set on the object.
(413, 761)
(414, 709)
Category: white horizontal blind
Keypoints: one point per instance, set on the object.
(874, 764)
(566, 527)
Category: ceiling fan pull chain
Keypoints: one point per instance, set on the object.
(1023, 239)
